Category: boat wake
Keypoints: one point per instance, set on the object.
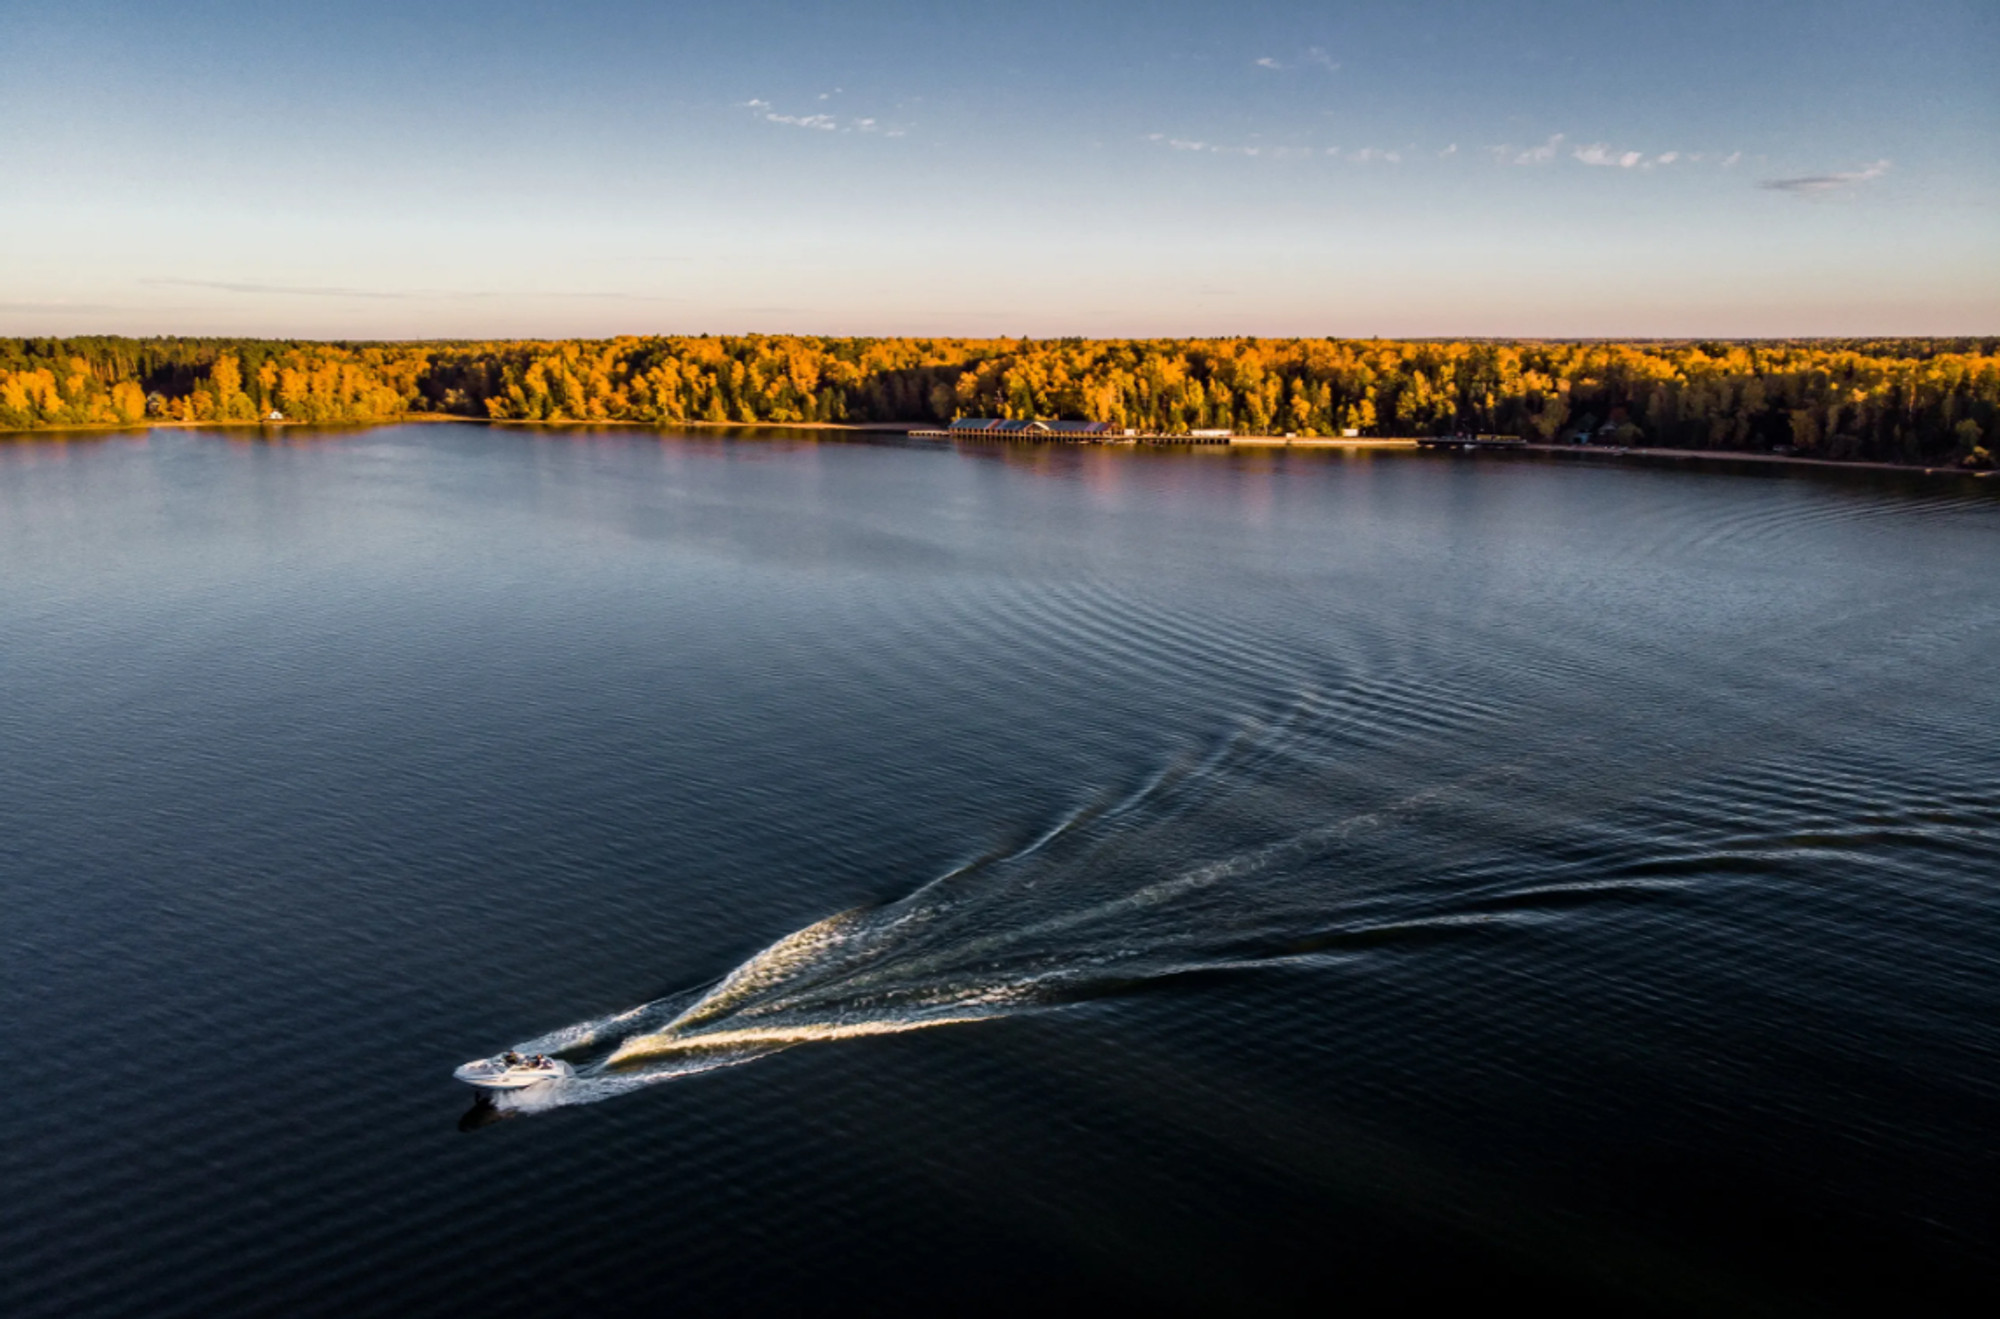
(1129, 889)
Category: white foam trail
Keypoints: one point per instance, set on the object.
(1229, 860)
(1079, 909)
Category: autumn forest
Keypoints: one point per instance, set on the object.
(1895, 400)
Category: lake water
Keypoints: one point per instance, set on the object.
(1229, 881)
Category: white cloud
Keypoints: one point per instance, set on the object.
(1601, 155)
(1540, 155)
(1314, 57)
(1813, 185)
(821, 122)
(1221, 149)
(1597, 153)
(1451, 150)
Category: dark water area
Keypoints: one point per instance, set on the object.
(1230, 882)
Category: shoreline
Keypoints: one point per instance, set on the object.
(430, 418)
(1747, 456)
(905, 428)
(1322, 442)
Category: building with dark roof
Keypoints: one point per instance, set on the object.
(1027, 430)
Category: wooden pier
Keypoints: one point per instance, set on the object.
(1066, 437)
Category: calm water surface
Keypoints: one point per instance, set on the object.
(1218, 882)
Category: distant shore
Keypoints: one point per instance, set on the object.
(905, 428)
(1925, 403)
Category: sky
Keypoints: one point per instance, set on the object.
(441, 168)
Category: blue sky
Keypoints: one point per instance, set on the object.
(437, 168)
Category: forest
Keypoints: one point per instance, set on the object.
(1920, 401)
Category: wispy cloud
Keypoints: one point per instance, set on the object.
(820, 122)
(1224, 149)
(1601, 155)
(55, 308)
(259, 288)
(1540, 155)
(1818, 185)
(1556, 151)
(1597, 153)
(1268, 151)
(1315, 57)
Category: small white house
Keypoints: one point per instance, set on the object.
(274, 415)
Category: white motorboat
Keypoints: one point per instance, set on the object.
(513, 1071)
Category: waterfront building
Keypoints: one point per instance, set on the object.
(999, 428)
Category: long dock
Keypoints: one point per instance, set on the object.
(1471, 442)
(1066, 437)
(1450, 442)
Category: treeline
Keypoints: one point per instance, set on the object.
(1897, 400)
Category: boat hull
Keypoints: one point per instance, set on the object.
(493, 1074)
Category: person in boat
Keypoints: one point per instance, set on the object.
(512, 1059)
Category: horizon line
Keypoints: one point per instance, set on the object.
(1021, 338)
